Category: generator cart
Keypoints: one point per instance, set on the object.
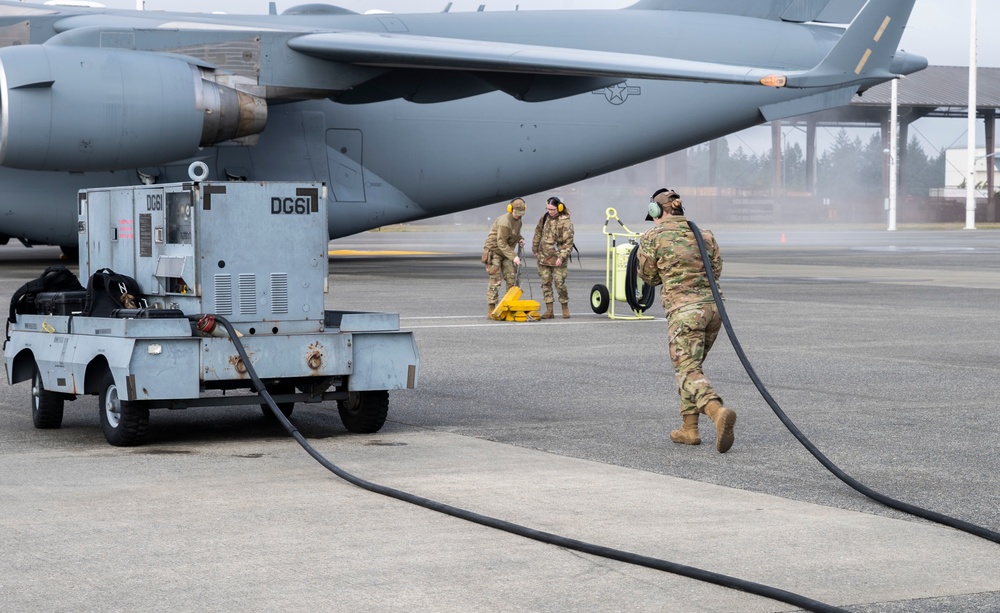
(163, 264)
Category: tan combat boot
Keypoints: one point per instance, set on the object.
(688, 434)
(565, 311)
(489, 310)
(548, 311)
(724, 420)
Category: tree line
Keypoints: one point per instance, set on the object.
(849, 167)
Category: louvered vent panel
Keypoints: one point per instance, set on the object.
(279, 292)
(248, 294)
(224, 294)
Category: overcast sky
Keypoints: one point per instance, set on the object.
(937, 29)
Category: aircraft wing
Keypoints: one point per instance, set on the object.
(353, 59)
(185, 81)
(581, 70)
(388, 50)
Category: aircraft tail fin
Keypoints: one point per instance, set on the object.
(868, 50)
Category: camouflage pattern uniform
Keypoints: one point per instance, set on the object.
(669, 255)
(553, 240)
(500, 249)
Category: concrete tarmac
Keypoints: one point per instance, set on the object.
(881, 347)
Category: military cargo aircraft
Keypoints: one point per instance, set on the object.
(411, 116)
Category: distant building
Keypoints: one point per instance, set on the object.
(955, 173)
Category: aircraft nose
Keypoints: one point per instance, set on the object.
(904, 63)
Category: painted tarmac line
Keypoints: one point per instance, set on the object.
(358, 252)
(486, 323)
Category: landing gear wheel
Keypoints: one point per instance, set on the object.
(364, 412)
(599, 299)
(286, 408)
(70, 253)
(123, 422)
(46, 407)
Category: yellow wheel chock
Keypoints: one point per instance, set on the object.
(512, 308)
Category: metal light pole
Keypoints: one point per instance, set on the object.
(893, 153)
(970, 173)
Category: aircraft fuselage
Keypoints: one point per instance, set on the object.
(410, 157)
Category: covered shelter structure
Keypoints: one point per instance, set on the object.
(937, 91)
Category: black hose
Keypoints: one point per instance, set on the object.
(860, 487)
(632, 281)
(499, 524)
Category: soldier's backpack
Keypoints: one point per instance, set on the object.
(108, 291)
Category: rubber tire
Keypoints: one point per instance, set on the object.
(70, 253)
(123, 422)
(286, 408)
(364, 412)
(46, 407)
(600, 299)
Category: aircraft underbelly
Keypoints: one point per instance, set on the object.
(41, 206)
(345, 158)
(460, 155)
(395, 162)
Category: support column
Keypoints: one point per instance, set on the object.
(904, 137)
(990, 118)
(778, 186)
(811, 156)
(713, 161)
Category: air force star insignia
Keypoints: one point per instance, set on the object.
(619, 93)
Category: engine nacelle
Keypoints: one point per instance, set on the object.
(77, 109)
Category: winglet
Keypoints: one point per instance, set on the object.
(865, 52)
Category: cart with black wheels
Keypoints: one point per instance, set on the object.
(619, 285)
(209, 294)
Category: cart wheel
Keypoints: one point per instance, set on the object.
(599, 299)
(123, 422)
(364, 412)
(46, 406)
(286, 408)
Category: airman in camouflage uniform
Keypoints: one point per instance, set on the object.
(668, 255)
(552, 245)
(500, 252)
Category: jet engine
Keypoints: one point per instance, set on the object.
(78, 109)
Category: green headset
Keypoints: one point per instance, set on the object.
(655, 209)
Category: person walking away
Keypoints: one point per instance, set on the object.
(669, 256)
(500, 252)
(551, 245)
